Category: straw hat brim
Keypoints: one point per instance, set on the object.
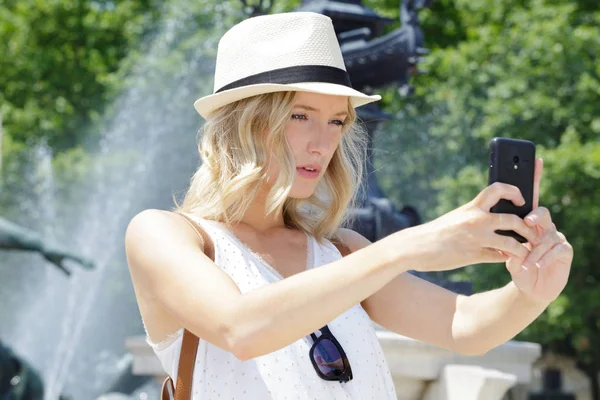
(208, 104)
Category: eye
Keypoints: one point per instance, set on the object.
(304, 117)
(300, 117)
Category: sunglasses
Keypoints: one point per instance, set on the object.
(328, 357)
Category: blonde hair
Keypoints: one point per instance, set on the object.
(233, 148)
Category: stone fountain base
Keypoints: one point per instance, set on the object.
(422, 371)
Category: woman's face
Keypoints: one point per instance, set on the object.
(313, 131)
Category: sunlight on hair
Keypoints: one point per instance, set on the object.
(233, 148)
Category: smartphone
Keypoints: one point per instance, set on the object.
(512, 161)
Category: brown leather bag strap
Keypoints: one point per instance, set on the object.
(343, 249)
(187, 361)
(189, 346)
(185, 371)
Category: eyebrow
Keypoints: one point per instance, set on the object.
(309, 108)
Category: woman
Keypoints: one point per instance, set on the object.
(281, 164)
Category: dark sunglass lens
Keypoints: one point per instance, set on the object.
(328, 358)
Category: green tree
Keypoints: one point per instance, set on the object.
(524, 70)
(59, 68)
(57, 57)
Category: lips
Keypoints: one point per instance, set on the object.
(314, 167)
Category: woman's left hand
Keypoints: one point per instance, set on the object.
(544, 273)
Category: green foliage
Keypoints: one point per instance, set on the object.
(525, 70)
(57, 57)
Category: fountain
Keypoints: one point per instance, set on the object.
(18, 379)
(72, 330)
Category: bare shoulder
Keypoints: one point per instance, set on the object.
(167, 266)
(354, 240)
(153, 219)
(157, 226)
(154, 235)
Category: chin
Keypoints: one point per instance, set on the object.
(301, 194)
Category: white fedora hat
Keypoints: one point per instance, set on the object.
(296, 51)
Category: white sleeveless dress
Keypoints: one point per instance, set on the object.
(286, 373)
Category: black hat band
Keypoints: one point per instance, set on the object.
(297, 74)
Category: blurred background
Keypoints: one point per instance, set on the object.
(97, 124)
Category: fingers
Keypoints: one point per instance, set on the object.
(508, 245)
(549, 241)
(561, 253)
(537, 178)
(514, 266)
(489, 196)
(509, 222)
(492, 256)
(540, 216)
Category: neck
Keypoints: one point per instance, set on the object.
(261, 223)
(257, 219)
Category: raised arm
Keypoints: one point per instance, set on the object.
(475, 324)
(168, 265)
(470, 325)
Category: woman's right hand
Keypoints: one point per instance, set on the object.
(467, 234)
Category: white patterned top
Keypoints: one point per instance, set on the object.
(286, 373)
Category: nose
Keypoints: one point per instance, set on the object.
(319, 140)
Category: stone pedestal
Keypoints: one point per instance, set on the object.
(422, 371)
(459, 382)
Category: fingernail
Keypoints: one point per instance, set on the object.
(538, 265)
(524, 267)
(530, 219)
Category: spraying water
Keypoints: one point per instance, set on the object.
(72, 330)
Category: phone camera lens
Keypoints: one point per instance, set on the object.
(516, 159)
